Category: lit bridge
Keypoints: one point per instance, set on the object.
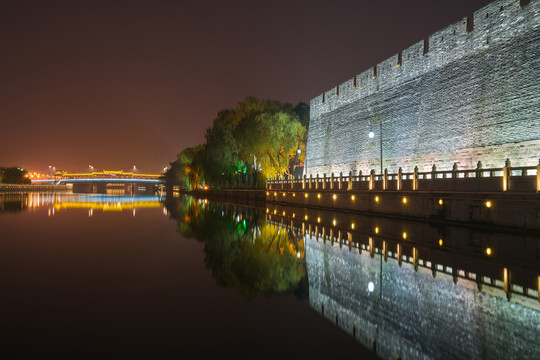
(110, 181)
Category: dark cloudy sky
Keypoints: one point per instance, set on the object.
(122, 83)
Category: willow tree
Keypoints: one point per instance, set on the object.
(271, 142)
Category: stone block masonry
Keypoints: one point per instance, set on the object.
(469, 92)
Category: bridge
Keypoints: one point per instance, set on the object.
(110, 181)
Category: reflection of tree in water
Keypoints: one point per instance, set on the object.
(13, 202)
(242, 250)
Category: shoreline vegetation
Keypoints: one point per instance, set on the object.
(244, 146)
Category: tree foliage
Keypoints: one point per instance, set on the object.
(13, 175)
(259, 138)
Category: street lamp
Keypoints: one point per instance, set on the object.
(371, 135)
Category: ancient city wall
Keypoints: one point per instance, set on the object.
(468, 93)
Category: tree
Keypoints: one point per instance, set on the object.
(271, 142)
(302, 110)
(190, 167)
(14, 175)
(256, 140)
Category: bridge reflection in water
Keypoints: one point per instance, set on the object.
(63, 201)
(417, 290)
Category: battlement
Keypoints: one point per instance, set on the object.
(492, 25)
(469, 92)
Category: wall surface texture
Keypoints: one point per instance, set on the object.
(468, 93)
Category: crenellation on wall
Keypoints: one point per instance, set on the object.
(387, 69)
(457, 42)
(470, 91)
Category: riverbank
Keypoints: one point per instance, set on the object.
(9, 188)
(244, 196)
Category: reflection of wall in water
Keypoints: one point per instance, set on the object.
(419, 316)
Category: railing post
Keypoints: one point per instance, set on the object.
(385, 179)
(324, 181)
(332, 181)
(433, 176)
(304, 182)
(359, 178)
(538, 178)
(282, 178)
(310, 181)
(415, 179)
(506, 175)
(371, 179)
(454, 176)
(349, 183)
(399, 177)
(478, 175)
(340, 180)
(317, 182)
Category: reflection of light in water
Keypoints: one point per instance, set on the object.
(165, 212)
(90, 212)
(133, 212)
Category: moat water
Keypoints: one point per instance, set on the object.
(94, 275)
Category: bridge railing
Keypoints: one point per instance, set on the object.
(507, 178)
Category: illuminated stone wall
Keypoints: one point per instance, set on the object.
(461, 97)
(418, 316)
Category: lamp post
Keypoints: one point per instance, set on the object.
(372, 135)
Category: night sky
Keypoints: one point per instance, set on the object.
(121, 83)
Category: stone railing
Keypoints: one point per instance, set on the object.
(507, 178)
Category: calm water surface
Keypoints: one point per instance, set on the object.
(104, 275)
(108, 275)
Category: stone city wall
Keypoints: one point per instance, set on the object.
(469, 92)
